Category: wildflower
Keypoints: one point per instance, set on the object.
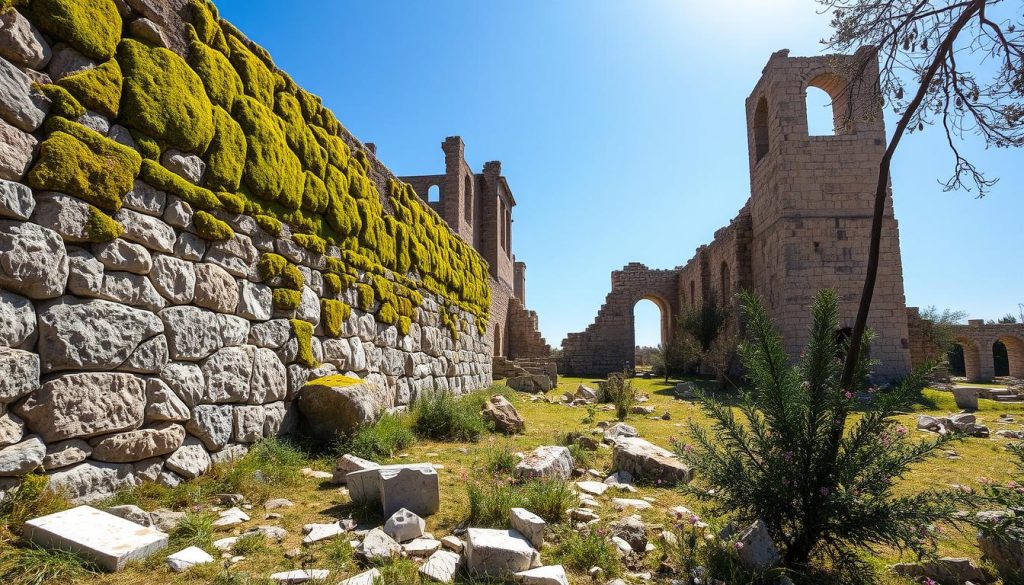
(788, 456)
(738, 545)
(694, 519)
(848, 394)
(901, 430)
(688, 448)
(1011, 484)
(824, 491)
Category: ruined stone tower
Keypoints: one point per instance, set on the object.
(805, 227)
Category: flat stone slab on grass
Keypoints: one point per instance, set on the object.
(300, 576)
(550, 575)
(596, 488)
(185, 559)
(645, 460)
(367, 578)
(492, 552)
(109, 541)
(441, 566)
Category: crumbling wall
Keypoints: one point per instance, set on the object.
(186, 238)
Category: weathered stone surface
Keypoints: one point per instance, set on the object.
(413, 487)
(275, 414)
(212, 424)
(66, 61)
(16, 200)
(143, 197)
(442, 566)
(66, 453)
(85, 273)
(619, 430)
(505, 418)
(17, 321)
(255, 301)
(149, 358)
(297, 576)
(12, 428)
(371, 577)
(309, 306)
(94, 121)
(237, 256)
(132, 514)
(632, 530)
(190, 336)
(552, 461)
(162, 404)
(20, 42)
(21, 458)
(186, 380)
(92, 334)
(192, 556)
(33, 262)
(269, 381)
(420, 548)
(139, 444)
(318, 532)
(229, 454)
(228, 372)
(148, 231)
(498, 552)
(16, 149)
(347, 464)
(377, 545)
(130, 289)
(234, 330)
(404, 526)
(92, 480)
(84, 405)
(190, 460)
(1003, 547)
(144, 28)
(337, 405)
(530, 525)
(20, 105)
(645, 460)
(550, 575)
(123, 255)
(189, 166)
(215, 288)
(149, 469)
(19, 374)
(758, 552)
(248, 423)
(189, 247)
(103, 538)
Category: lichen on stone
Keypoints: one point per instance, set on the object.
(287, 299)
(163, 179)
(333, 314)
(404, 324)
(271, 266)
(257, 79)
(81, 162)
(93, 27)
(332, 284)
(272, 171)
(62, 103)
(364, 296)
(300, 138)
(310, 242)
(314, 195)
(98, 89)
(225, 159)
(232, 202)
(164, 98)
(336, 149)
(270, 224)
(220, 79)
(101, 227)
(149, 149)
(387, 314)
(210, 228)
(303, 331)
(204, 19)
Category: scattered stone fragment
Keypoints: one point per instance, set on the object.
(596, 488)
(315, 474)
(632, 530)
(278, 503)
(348, 463)
(377, 545)
(619, 430)
(225, 544)
(492, 552)
(623, 503)
(645, 460)
(421, 547)
(550, 575)
(318, 532)
(132, 514)
(547, 461)
(404, 526)
(500, 412)
(453, 543)
(755, 548)
(185, 559)
(103, 538)
(529, 525)
(300, 576)
(230, 517)
(441, 566)
(413, 487)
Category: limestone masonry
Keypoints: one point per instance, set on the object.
(187, 238)
(805, 227)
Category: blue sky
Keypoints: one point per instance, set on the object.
(621, 130)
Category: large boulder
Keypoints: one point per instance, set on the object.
(337, 405)
(550, 461)
(646, 461)
(500, 412)
(85, 405)
(33, 260)
(92, 334)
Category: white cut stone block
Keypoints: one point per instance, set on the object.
(185, 559)
(109, 541)
(498, 552)
(550, 575)
(441, 566)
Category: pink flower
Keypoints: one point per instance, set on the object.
(694, 519)
(824, 491)
(688, 448)
(738, 545)
(1011, 484)
(901, 430)
(848, 394)
(788, 456)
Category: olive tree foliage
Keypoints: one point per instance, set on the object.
(954, 64)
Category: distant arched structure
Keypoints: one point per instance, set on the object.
(978, 340)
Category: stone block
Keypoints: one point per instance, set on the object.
(413, 487)
(109, 541)
(498, 553)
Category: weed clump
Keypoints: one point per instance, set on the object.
(381, 440)
(443, 416)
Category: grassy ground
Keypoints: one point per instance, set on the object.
(464, 462)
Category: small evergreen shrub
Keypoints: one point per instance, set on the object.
(618, 390)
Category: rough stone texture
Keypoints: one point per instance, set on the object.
(500, 412)
(255, 301)
(331, 409)
(140, 444)
(413, 487)
(551, 461)
(92, 480)
(645, 460)
(66, 61)
(212, 424)
(143, 197)
(189, 166)
(148, 231)
(20, 42)
(498, 552)
(378, 545)
(91, 335)
(347, 464)
(530, 525)
(123, 255)
(84, 405)
(190, 460)
(403, 525)
(758, 552)
(17, 321)
(162, 404)
(215, 288)
(20, 105)
(103, 538)
(19, 374)
(550, 575)
(21, 458)
(442, 566)
(33, 262)
(189, 334)
(16, 149)
(66, 453)
(12, 428)
(228, 372)
(16, 200)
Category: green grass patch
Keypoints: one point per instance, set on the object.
(581, 550)
(491, 500)
(32, 565)
(441, 415)
(382, 440)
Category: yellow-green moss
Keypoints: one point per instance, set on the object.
(222, 83)
(310, 104)
(210, 228)
(93, 27)
(364, 296)
(272, 171)
(62, 103)
(300, 138)
(232, 202)
(271, 266)
(404, 323)
(332, 284)
(335, 381)
(101, 227)
(310, 242)
(148, 148)
(336, 149)
(164, 98)
(204, 19)
(257, 79)
(342, 210)
(287, 299)
(98, 89)
(333, 314)
(81, 162)
(387, 314)
(225, 158)
(314, 196)
(270, 224)
(404, 307)
(165, 180)
(304, 336)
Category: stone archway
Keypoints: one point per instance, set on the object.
(609, 343)
(1014, 354)
(972, 359)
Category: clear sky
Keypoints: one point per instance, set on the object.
(621, 129)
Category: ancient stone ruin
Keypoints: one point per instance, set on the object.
(188, 237)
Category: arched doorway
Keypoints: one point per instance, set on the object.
(972, 358)
(651, 331)
(1014, 348)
